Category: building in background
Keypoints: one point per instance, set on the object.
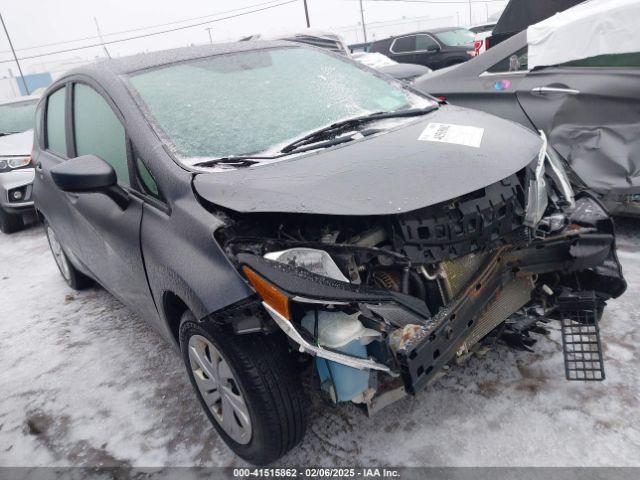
(12, 87)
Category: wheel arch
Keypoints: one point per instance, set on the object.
(173, 307)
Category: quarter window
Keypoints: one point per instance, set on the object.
(146, 178)
(517, 62)
(56, 131)
(98, 131)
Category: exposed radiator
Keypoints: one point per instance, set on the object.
(456, 274)
(512, 298)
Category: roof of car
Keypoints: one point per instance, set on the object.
(444, 29)
(431, 30)
(143, 61)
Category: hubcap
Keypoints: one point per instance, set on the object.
(58, 255)
(219, 388)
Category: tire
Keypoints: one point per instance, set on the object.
(10, 222)
(264, 379)
(70, 274)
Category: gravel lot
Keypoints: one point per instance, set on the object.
(85, 382)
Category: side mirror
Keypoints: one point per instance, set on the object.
(89, 174)
(433, 48)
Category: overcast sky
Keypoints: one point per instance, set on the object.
(39, 22)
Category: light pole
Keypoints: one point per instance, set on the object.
(26, 89)
(306, 13)
(100, 37)
(470, 21)
(364, 28)
(208, 29)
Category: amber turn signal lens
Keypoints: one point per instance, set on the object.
(269, 293)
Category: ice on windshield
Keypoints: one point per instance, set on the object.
(459, 37)
(247, 102)
(17, 117)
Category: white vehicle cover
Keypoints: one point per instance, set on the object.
(16, 144)
(373, 59)
(592, 28)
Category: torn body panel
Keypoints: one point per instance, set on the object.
(431, 283)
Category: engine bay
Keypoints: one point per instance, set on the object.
(392, 300)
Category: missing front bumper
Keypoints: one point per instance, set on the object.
(580, 258)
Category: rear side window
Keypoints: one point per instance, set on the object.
(56, 132)
(404, 44)
(517, 62)
(98, 131)
(608, 61)
(425, 42)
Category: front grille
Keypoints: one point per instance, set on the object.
(467, 224)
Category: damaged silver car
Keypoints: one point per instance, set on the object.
(266, 203)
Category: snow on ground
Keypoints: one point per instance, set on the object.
(85, 382)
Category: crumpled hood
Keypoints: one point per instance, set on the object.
(391, 173)
(16, 144)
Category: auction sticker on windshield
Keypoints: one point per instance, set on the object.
(447, 133)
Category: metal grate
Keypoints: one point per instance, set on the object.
(581, 344)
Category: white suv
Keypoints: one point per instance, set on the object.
(482, 33)
(16, 170)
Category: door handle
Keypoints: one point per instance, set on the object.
(548, 90)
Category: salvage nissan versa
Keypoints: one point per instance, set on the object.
(262, 203)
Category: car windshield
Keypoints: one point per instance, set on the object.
(456, 38)
(17, 117)
(249, 102)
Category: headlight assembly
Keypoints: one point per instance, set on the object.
(316, 261)
(19, 162)
(14, 162)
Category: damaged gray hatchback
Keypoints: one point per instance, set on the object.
(266, 203)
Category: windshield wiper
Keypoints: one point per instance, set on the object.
(313, 140)
(248, 160)
(352, 123)
(236, 161)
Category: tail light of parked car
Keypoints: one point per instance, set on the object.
(477, 45)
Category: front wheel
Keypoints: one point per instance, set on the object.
(247, 387)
